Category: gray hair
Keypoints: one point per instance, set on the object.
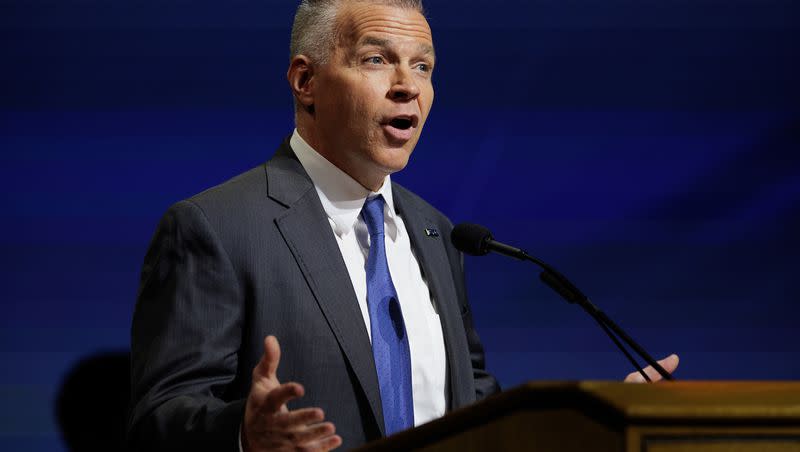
(314, 28)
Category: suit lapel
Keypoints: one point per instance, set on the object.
(305, 228)
(430, 252)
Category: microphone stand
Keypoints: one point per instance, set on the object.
(561, 285)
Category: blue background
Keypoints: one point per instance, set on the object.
(648, 149)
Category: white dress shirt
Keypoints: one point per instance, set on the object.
(342, 198)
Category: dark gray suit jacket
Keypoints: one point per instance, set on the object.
(256, 256)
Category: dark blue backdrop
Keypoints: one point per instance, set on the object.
(648, 149)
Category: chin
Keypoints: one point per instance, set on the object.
(394, 159)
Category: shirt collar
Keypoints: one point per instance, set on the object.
(341, 196)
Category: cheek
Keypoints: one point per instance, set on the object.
(354, 98)
(363, 103)
(427, 98)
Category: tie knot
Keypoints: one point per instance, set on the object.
(373, 215)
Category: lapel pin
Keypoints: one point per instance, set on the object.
(431, 232)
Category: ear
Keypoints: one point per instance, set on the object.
(301, 80)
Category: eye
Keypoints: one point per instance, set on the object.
(424, 68)
(374, 60)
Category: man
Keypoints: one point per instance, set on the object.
(283, 252)
(318, 248)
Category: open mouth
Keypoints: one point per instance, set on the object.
(401, 123)
(400, 129)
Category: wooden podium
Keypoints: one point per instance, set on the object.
(604, 416)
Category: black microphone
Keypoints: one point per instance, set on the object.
(477, 240)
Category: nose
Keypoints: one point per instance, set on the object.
(404, 87)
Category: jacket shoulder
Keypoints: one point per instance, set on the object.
(239, 191)
(411, 200)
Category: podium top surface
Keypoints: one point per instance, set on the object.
(709, 400)
(618, 406)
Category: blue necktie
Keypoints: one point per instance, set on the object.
(389, 338)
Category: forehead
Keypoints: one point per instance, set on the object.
(360, 20)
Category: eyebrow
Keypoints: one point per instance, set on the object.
(379, 42)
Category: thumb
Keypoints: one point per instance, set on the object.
(267, 367)
(670, 363)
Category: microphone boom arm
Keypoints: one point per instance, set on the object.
(476, 240)
(561, 285)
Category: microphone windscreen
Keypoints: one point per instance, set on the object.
(471, 238)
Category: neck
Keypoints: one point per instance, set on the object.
(364, 178)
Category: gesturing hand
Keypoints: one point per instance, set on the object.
(670, 363)
(269, 425)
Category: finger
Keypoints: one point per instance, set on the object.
(267, 367)
(670, 363)
(327, 443)
(300, 418)
(276, 399)
(635, 377)
(311, 434)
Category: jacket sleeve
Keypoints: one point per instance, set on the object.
(485, 383)
(186, 331)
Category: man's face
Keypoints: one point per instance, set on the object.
(373, 97)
